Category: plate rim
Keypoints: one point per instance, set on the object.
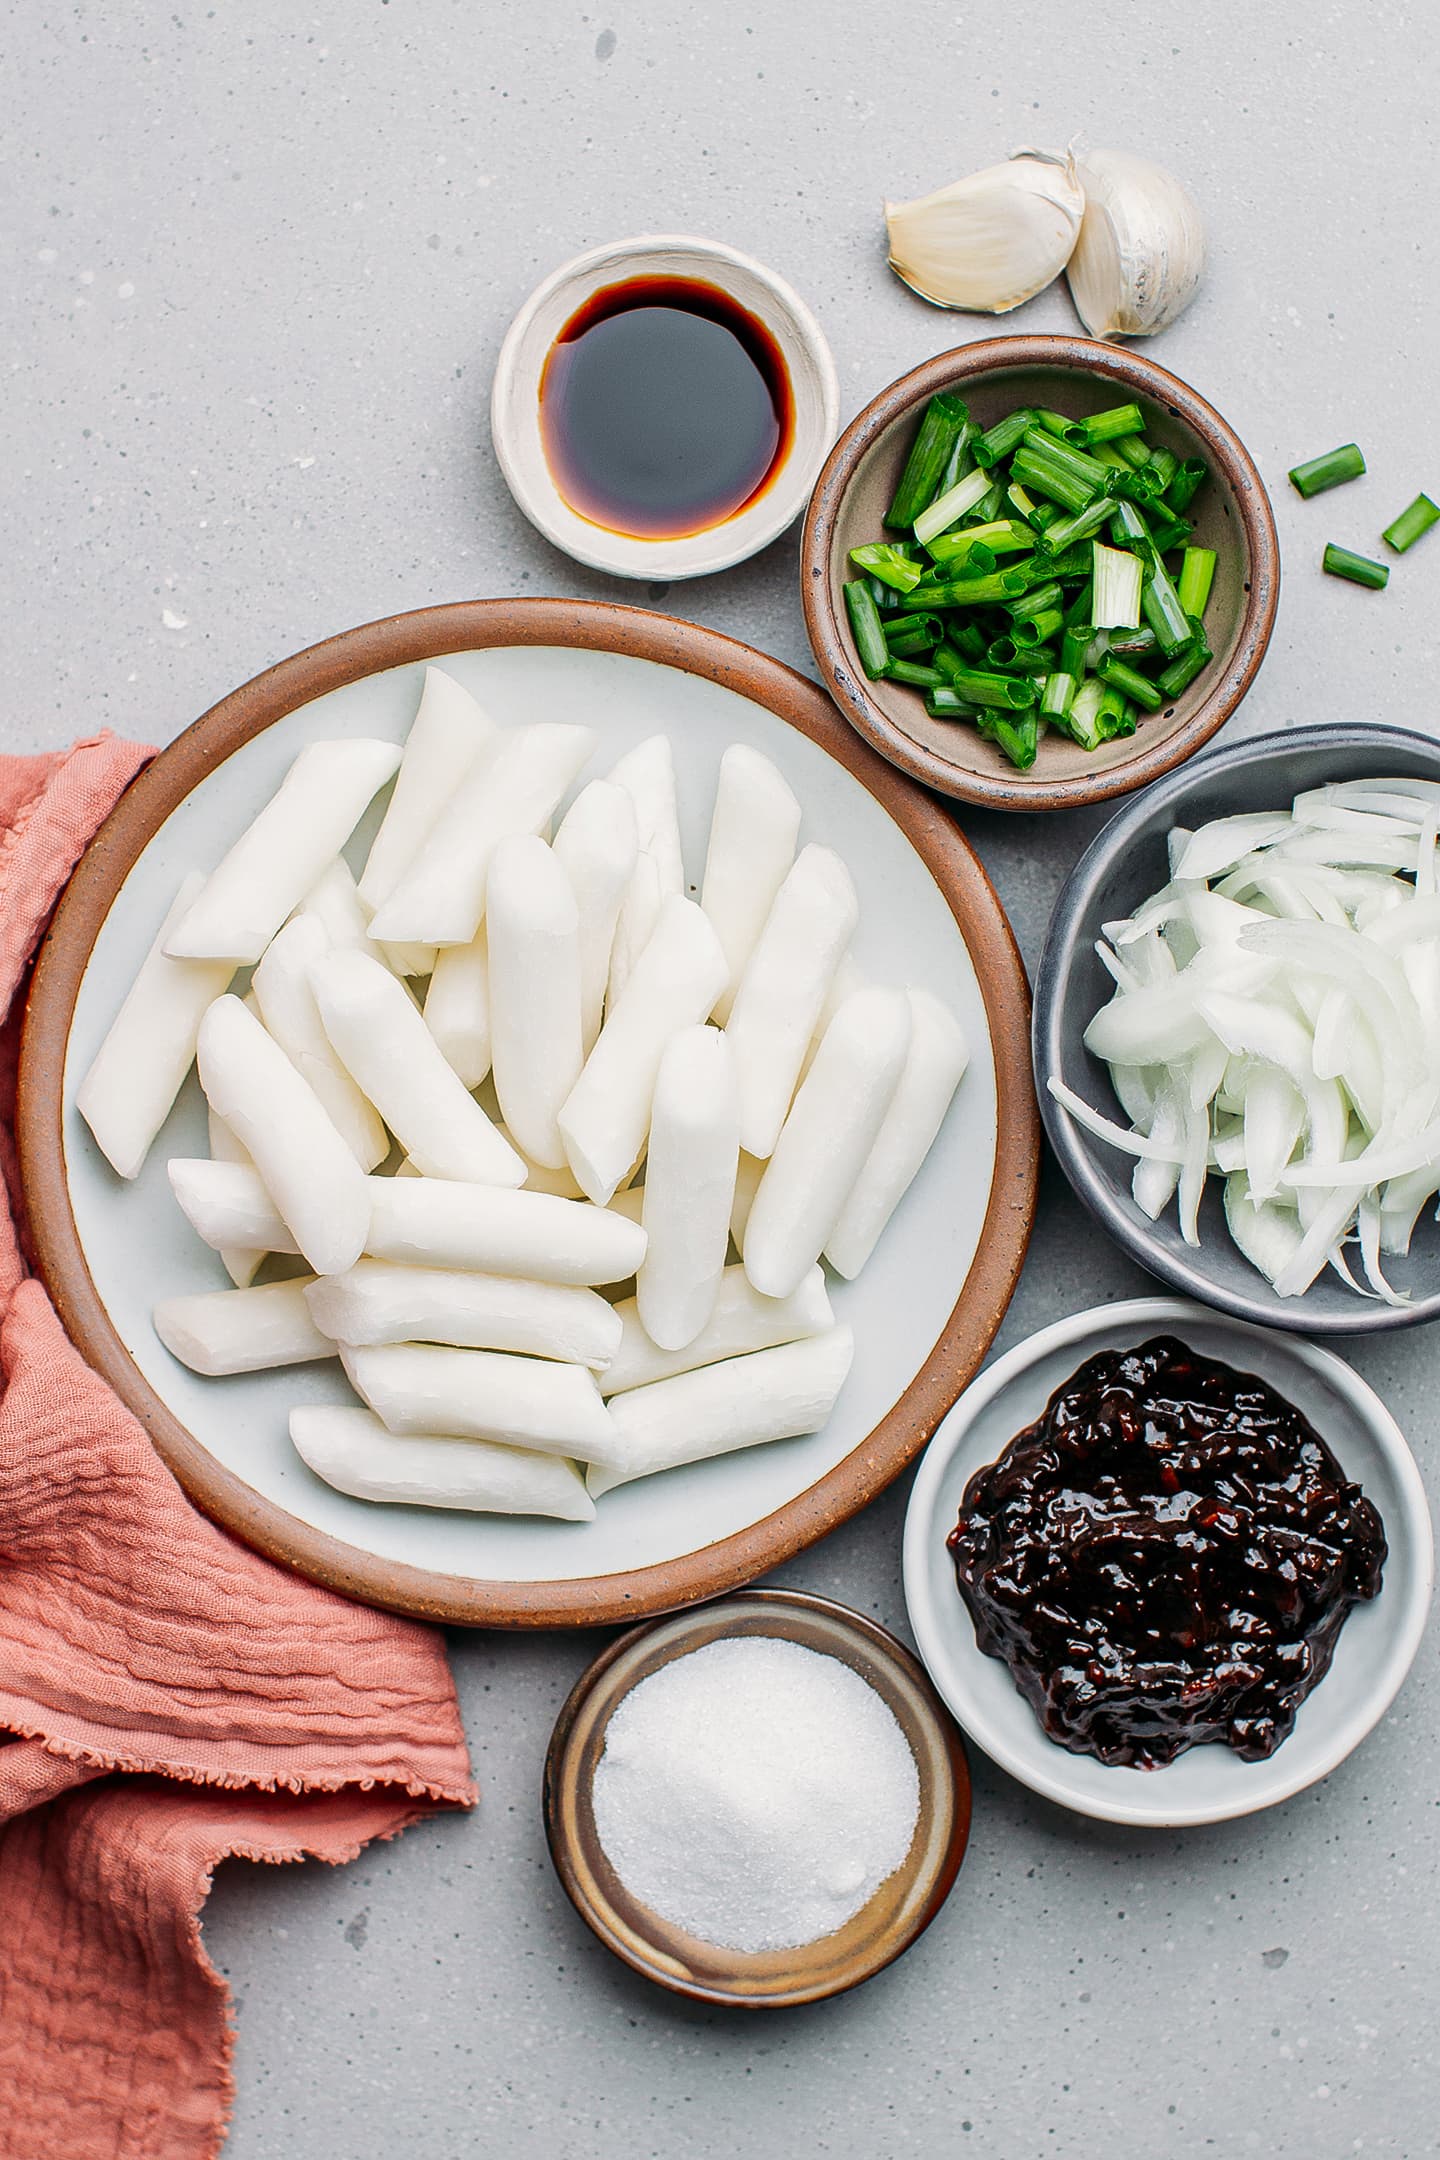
(429, 633)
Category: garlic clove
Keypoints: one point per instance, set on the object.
(992, 241)
(1141, 247)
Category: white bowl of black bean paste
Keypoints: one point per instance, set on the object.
(1166, 1567)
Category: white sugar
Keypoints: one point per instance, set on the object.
(755, 1793)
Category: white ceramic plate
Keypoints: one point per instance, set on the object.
(1209, 1784)
(138, 1248)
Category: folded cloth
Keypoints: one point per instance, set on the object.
(167, 1697)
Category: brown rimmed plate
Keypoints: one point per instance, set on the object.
(924, 1312)
(900, 1910)
(1074, 375)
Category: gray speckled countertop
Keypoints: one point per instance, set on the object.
(257, 264)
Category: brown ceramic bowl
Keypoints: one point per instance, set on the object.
(1232, 515)
(901, 1909)
(434, 1591)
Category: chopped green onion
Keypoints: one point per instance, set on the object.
(1074, 645)
(1054, 423)
(888, 564)
(1119, 420)
(1411, 524)
(945, 417)
(1187, 483)
(1160, 604)
(1346, 463)
(1130, 682)
(1025, 504)
(866, 629)
(1130, 644)
(1359, 569)
(1038, 629)
(1197, 574)
(1035, 601)
(1164, 463)
(961, 554)
(1141, 486)
(1126, 524)
(1002, 536)
(998, 441)
(885, 596)
(1169, 534)
(1000, 585)
(1040, 473)
(912, 671)
(1114, 715)
(1135, 450)
(1078, 463)
(1183, 670)
(1117, 589)
(1082, 525)
(947, 704)
(1019, 739)
(1055, 695)
(949, 508)
(1012, 693)
(907, 635)
(1082, 722)
(958, 463)
(1002, 652)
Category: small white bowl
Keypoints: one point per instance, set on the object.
(515, 405)
(1209, 1784)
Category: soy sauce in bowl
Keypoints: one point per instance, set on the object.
(665, 408)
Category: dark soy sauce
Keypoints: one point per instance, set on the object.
(664, 408)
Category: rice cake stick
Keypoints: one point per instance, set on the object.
(378, 1302)
(457, 1008)
(780, 995)
(241, 1263)
(239, 1331)
(536, 1046)
(284, 993)
(350, 1449)
(318, 1188)
(753, 830)
(279, 857)
(827, 1137)
(431, 1222)
(742, 1321)
(440, 899)
(597, 848)
(450, 736)
(140, 1067)
(227, 1205)
(689, 1187)
(934, 1066)
(635, 924)
(748, 1173)
(484, 1395)
(647, 774)
(384, 1044)
(676, 981)
(744, 1402)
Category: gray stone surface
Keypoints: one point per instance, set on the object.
(257, 264)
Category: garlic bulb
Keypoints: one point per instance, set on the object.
(992, 241)
(1141, 248)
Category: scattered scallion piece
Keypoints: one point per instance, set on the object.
(1412, 524)
(998, 599)
(1359, 569)
(1336, 466)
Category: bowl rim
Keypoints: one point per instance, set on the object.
(626, 554)
(823, 616)
(1062, 938)
(888, 1649)
(1030, 1763)
(875, 1460)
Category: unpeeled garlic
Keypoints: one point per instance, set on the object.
(992, 241)
(1141, 248)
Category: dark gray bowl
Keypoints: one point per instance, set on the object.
(1125, 863)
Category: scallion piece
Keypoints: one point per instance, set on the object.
(1074, 645)
(1118, 420)
(1056, 693)
(913, 671)
(1160, 604)
(1082, 526)
(1002, 652)
(865, 628)
(907, 635)
(1411, 525)
(1019, 739)
(961, 554)
(885, 596)
(1169, 533)
(1186, 485)
(1183, 670)
(1033, 630)
(1036, 601)
(1000, 585)
(1140, 486)
(1025, 504)
(1197, 574)
(1035, 471)
(947, 704)
(949, 508)
(958, 463)
(945, 416)
(888, 564)
(1079, 463)
(1008, 693)
(1126, 524)
(1054, 423)
(1359, 569)
(1135, 450)
(1082, 722)
(1114, 715)
(1130, 644)
(1129, 682)
(1000, 440)
(1117, 589)
(1164, 463)
(1313, 478)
